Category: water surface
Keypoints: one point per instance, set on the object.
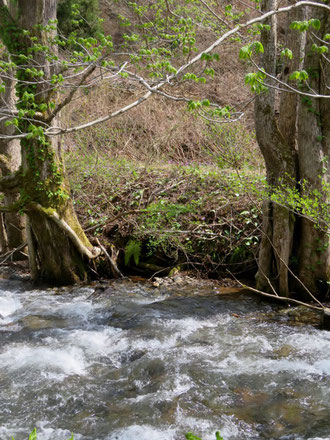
(144, 365)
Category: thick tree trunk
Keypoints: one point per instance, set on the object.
(52, 238)
(300, 154)
(314, 155)
(279, 155)
(59, 251)
(10, 154)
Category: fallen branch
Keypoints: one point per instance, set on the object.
(113, 265)
(280, 298)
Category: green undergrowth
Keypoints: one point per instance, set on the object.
(166, 215)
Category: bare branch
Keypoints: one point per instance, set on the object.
(291, 89)
(69, 97)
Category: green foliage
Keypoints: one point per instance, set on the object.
(305, 25)
(320, 49)
(190, 436)
(80, 17)
(306, 201)
(301, 75)
(287, 53)
(132, 250)
(247, 51)
(256, 81)
(33, 435)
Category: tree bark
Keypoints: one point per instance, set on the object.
(59, 251)
(314, 155)
(10, 153)
(295, 146)
(279, 155)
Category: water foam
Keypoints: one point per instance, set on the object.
(143, 432)
(21, 357)
(9, 304)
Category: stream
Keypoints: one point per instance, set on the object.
(138, 363)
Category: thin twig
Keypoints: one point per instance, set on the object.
(11, 253)
(132, 211)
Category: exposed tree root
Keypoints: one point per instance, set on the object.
(62, 224)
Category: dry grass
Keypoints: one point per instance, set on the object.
(160, 129)
(157, 131)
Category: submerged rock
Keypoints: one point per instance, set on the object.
(284, 351)
(301, 315)
(37, 323)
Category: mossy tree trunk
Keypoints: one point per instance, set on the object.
(288, 141)
(59, 251)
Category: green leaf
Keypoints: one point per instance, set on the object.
(300, 76)
(190, 436)
(315, 23)
(319, 49)
(258, 47)
(250, 78)
(303, 75)
(287, 53)
(218, 436)
(301, 26)
(33, 435)
(264, 27)
(245, 52)
(132, 249)
(206, 56)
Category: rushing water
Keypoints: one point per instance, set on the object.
(137, 364)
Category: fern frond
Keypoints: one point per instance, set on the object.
(132, 249)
